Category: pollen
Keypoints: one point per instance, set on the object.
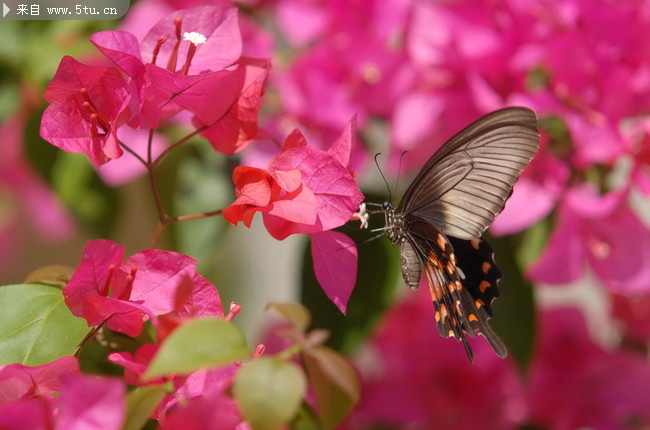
(194, 37)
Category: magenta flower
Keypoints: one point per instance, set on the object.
(27, 394)
(600, 230)
(412, 378)
(306, 190)
(204, 383)
(90, 403)
(237, 128)
(187, 61)
(303, 190)
(87, 105)
(575, 383)
(19, 382)
(105, 290)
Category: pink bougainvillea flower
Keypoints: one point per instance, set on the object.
(203, 382)
(237, 128)
(600, 230)
(187, 61)
(91, 403)
(105, 290)
(535, 194)
(303, 190)
(413, 378)
(575, 383)
(212, 411)
(24, 382)
(28, 395)
(87, 105)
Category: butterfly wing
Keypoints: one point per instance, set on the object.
(462, 299)
(465, 184)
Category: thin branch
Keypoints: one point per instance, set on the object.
(170, 220)
(162, 216)
(132, 152)
(164, 154)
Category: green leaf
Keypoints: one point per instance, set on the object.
(269, 392)
(294, 313)
(140, 403)
(335, 382)
(36, 326)
(201, 343)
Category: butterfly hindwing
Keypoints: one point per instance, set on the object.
(480, 277)
(458, 310)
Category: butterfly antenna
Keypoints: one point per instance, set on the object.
(390, 195)
(399, 170)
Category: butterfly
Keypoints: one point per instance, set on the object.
(450, 203)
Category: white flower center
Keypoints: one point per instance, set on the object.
(194, 37)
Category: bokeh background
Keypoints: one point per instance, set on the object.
(573, 241)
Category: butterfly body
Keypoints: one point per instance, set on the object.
(454, 198)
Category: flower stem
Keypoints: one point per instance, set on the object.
(169, 149)
(91, 334)
(132, 152)
(170, 220)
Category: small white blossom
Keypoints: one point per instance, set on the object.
(363, 215)
(194, 37)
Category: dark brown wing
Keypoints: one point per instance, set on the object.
(465, 184)
(461, 299)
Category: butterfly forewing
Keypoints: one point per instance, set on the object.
(465, 185)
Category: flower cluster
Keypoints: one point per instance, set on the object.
(412, 377)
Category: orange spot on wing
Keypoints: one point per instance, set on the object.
(479, 303)
(476, 243)
(444, 313)
(484, 285)
(486, 267)
(472, 318)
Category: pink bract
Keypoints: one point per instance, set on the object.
(602, 231)
(87, 105)
(335, 265)
(571, 382)
(304, 189)
(122, 295)
(204, 79)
